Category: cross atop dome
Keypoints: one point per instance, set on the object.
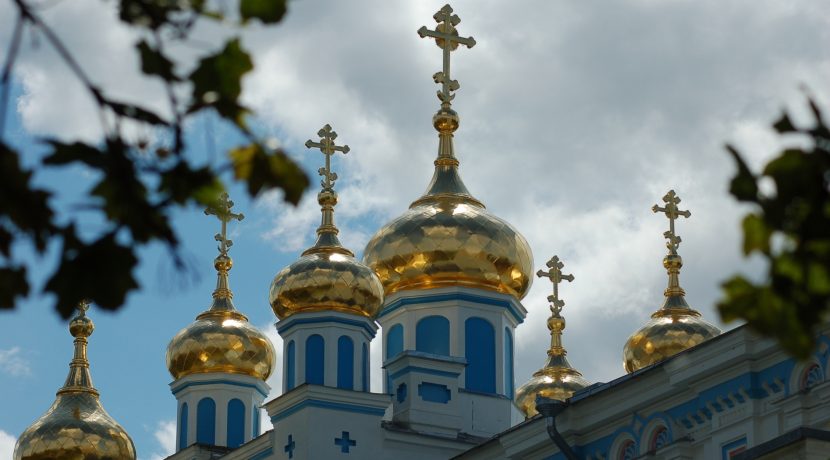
(672, 212)
(222, 211)
(556, 277)
(328, 147)
(446, 37)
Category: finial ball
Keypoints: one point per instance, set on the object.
(672, 261)
(556, 323)
(81, 326)
(223, 263)
(445, 121)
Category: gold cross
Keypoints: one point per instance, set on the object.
(446, 37)
(222, 210)
(328, 147)
(83, 306)
(555, 276)
(672, 212)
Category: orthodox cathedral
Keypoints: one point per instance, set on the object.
(444, 284)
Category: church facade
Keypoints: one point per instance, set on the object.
(444, 283)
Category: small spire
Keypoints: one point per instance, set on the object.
(222, 295)
(79, 380)
(446, 181)
(327, 240)
(556, 323)
(672, 261)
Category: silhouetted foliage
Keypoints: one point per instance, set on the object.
(791, 230)
(137, 187)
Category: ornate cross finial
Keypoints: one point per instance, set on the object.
(82, 307)
(446, 37)
(672, 212)
(222, 211)
(555, 276)
(328, 147)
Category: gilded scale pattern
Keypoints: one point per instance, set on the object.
(447, 237)
(557, 379)
(76, 426)
(326, 277)
(675, 326)
(221, 339)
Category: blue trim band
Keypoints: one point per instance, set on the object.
(432, 298)
(284, 326)
(176, 390)
(424, 370)
(343, 407)
(261, 455)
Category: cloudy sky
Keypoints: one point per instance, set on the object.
(576, 117)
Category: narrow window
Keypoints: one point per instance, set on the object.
(480, 351)
(364, 374)
(206, 422)
(236, 423)
(394, 341)
(315, 350)
(345, 363)
(183, 427)
(509, 382)
(432, 335)
(290, 366)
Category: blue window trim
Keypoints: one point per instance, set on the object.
(434, 392)
(285, 325)
(432, 335)
(509, 377)
(345, 362)
(364, 373)
(206, 421)
(315, 365)
(290, 366)
(463, 296)
(236, 423)
(423, 370)
(183, 426)
(480, 351)
(394, 341)
(342, 407)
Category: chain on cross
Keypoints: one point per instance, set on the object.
(446, 37)
(222, 211)
(556, 277)
(328, 147)
(672, 212)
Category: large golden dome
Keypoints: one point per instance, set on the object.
(221, 339)
(76, 426)
(448, 238)
(326, 277)
(557, 379)
(675, 326)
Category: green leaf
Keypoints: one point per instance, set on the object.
(217, 82)
(26, 207)
(743, 186)
(153, 62)
(263, 171)
(13, 284)
(784, 125)
(183, 184)
(267, 11)
(101, 272)
(756, 234)
(64, 154)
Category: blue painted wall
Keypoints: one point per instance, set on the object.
(183, 427)
(480, 348)
(236, 423)
(394, 341)
(290, 365)
(432, 335)
(364, 372)
(315, 352)
(434, 392)
(509, 380)
(345, 363)
(206, 422)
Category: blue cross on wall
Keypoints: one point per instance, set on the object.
(344, 442)
(289, 448)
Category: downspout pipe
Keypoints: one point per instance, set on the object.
(550, 408)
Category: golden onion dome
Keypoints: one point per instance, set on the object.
(221, 339)
(557, 379)
(76, 426)
(448, 238)
(327, 277)
(675, 326)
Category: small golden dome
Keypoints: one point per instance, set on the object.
(221, 339)
(675, 326)
(76, 426)
(448, 238)
(326, 277)
(557, 379)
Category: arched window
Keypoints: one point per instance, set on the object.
(315, 351)
(811, 377)
(183, 427)
(659, 439)
(290, 366)
(345, 363)
(206, 422)
(394, 341)
(480, 351)
(236, 423)
(509, 382)
(628, 450)
(432, 335)
(364, 363)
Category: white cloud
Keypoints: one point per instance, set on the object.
(12, 363)
(165, 435)
(7, 442)
(275, 380)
